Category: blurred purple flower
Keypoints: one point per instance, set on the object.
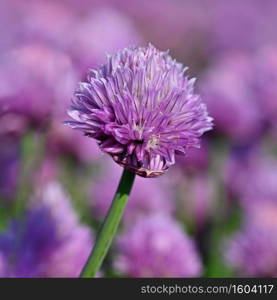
(196, 198)
(61, 140)
(265, 81)
(141, 109)
(241, 89)
(224, 23)
(48, 242)
(177, 23)
(34, 82)
(195, 159)
(253, 250)
(201, 30)
(260, 186)
(111, 31)
(46, 172)
(242, 162)
(230, 98)
(49, 22)
(9, 166)
(156, 246)
(29, 97)
(11, 123)
(148, 196)
(252, 177)
(2, 265)
(9, 20)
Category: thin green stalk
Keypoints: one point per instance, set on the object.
(109, 226)
(32, 152)
(220, 223)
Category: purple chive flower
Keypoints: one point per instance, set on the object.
(261, 186)
(9, 166)
(224, 22)
(141, 109)
(48, 22)
(241, 163)
(252, 177)
(28, 79)
(241, 89)
(148, 196)
(156, 246)
(253, 250)
(111, 30)
(265, 81)
(227, 88)
(183, 18)
(48, 242)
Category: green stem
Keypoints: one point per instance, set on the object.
(109, 226)
(32, 152)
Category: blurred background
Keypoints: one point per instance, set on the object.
(214, 214)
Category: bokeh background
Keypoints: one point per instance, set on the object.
(214, 214)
